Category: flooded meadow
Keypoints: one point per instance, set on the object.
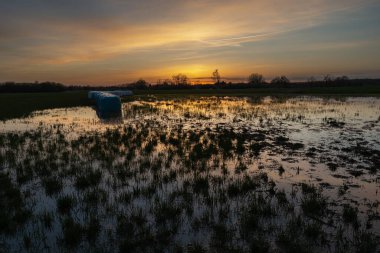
(194, 174)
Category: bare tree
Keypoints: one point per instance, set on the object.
(256, 79)
(341, 80)
(180, 79)
(280, 80)
(328, 79)
(140, 84)
(216, 76)
(165, 82)
(311, 79)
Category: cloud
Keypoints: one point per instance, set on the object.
(62, 32)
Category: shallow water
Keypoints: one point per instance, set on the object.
(333, 144)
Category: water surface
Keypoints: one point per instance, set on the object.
(190, 171)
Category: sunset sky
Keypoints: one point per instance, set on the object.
(118, 41)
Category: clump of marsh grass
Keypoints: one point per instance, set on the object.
(259, 244)
(290, 238)
(92, 229)
(66, 203)
(258, 209)
(350, 215)
(47, 219)
(13, 212)
(201, 185)
(52, 185)
(366, 242)
(166, 212)
(313, 202)
(72, 232)
(90, 178)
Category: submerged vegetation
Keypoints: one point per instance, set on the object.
(191, 175)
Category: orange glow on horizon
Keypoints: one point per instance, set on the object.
(122, 41)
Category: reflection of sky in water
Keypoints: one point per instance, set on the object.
(302, 119)
(304, 113)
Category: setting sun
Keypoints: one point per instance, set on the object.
(99, 42)
(193, 126)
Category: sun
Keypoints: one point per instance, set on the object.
(197, 70)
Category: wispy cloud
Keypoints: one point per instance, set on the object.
(44, 34)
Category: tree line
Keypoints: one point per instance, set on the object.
(31, 87)
(181, 81)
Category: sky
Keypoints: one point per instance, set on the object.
(102, 42)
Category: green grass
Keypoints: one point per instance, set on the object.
(364, 90)
(14, 105)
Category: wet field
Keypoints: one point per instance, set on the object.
(230, 174)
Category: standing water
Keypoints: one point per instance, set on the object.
(256, 174)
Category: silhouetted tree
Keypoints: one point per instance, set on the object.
(256, 79)
(327, 79)
(140, 84)
(280, 80)
(180, 79)
(341, 79)
(32, 87)
(311, 79)
(165, 82)
(216, 76)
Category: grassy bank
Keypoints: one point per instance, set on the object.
(13, 105)
(365, 90)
